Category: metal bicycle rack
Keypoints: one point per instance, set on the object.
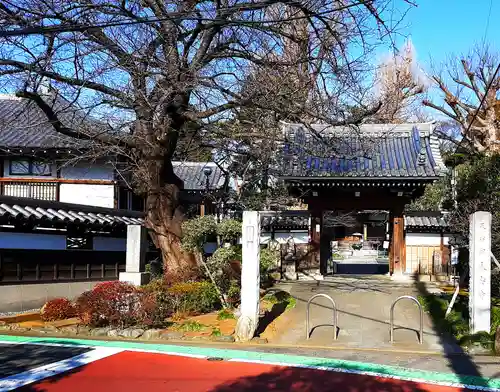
(334, 314)
(421, 334)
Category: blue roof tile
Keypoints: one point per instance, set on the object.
(375, 151)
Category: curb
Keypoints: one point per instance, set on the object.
(327, 364)
(236, 345)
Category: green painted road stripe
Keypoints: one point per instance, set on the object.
(285, 359)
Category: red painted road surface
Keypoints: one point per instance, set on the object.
(149, 372)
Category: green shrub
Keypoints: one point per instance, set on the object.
(495, 283)
(357, 246)
(234, 292)
(495, 318)
(229, 230)
(225, 314)
(191, 326)
(222, 256)
(269, 260)
(337, 256)
(457, 321)
(219, 265)
(158, 289)
(196, 232)
(194, 297)
(280, 297)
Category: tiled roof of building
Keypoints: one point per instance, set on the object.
(371, 150)
(18, 210)
(194, 175)
(417, 220)
(24, 125)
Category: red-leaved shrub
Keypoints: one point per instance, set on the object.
(116, 304)
(57, 309)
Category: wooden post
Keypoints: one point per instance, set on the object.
(398, 244)
(316, 239)
(202, 208)
(391, 243)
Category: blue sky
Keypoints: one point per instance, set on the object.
(439, 28)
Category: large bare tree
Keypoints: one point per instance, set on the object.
(470, 96)
(400, 85)
(160, 73)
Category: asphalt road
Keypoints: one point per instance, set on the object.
(60, 367)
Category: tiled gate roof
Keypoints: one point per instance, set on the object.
(371, 150)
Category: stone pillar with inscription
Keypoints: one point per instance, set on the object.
(135, 266)
(480, 272)
(250, 277)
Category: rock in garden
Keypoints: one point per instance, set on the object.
(171, 335)
(497, 341)
(259, 340)
(16, 328)
(114, 333)
(83, 330)
(225, 339)
(133, 333)
(99, 332)
(70, 330)
(151, 334)
(47, 329)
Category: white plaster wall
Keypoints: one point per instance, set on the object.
(32, 241)
(300, 237)
(19, 297)
(88, 194)
(110, 244)
(427, 239)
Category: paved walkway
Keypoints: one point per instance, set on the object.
(363, 305)
(83, 365)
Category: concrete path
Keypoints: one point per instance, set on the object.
(363, 305)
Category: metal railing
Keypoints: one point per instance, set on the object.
(335, 320)
(421, 311)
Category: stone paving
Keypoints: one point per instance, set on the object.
(363, 305)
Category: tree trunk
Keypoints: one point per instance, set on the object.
(164, 217)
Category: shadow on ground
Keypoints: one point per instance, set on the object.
(462, 365)
(277, 310)
(312, 380)
(19, 358)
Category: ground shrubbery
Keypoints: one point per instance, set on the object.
(119, 304)
(57, 309)
(115, 304)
